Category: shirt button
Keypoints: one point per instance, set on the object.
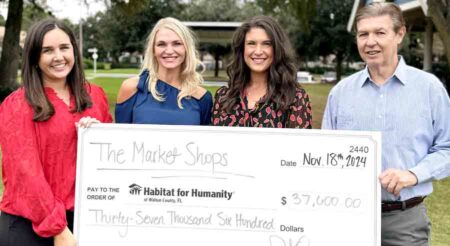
(381, 96)
(379, 116)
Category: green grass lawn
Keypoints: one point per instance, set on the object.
(207, 75)
(115, 70)
(438, 203)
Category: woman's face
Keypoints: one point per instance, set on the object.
(169, 50)
(258, 50)
(57, 58)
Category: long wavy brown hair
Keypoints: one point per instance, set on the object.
(281, 87)
(32, 75)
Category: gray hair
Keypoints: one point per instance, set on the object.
(376, 9)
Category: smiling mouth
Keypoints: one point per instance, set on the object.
(170, 57)
(371, 53)
(59, 66)
(258, 60)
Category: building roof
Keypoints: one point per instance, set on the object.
(212, 24)
(213, 32)
(414, 12)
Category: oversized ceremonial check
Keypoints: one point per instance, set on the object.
(224, 186)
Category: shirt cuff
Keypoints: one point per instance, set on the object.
(422, 173)
(54, 223)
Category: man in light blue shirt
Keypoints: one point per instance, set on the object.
(412, 111)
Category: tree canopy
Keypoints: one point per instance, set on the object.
(317, 28)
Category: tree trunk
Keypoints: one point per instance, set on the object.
(339, 61)
(428, 49)
(442, 24)
(10, 51)
(216, 67)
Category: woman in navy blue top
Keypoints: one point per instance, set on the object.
(168, 89)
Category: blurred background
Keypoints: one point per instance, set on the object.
(114, 33)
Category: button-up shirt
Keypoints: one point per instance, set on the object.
(411, 110)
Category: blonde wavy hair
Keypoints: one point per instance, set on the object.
(190, 78)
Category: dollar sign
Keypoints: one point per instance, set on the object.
(283, 200)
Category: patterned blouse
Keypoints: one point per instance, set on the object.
(264, 114)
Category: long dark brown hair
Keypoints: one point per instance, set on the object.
(32, 75)
(281, 87)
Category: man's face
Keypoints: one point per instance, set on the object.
(377, 41)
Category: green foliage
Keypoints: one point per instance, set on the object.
(441, 71)
(89, 64)
(319, 29)
(4, 92)
(413, 55)
(125, 26)
(10, 54)
(219, 10)
(2, 20)
(301, 11)
(33, 12)
(317, 70)
(125, 65)
(329, 34)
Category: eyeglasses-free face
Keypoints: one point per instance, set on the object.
(258, 50)
(57, 57)
(378, 42)
(169, 50)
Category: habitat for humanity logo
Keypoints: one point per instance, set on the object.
(135, 189)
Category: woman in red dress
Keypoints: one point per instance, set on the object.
(38, 138)
(262, 91)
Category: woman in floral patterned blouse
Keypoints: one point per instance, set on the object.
(262, 91)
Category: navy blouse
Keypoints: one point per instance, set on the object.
(143, 108)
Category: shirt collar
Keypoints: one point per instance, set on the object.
(365, 79)
(399, 73)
